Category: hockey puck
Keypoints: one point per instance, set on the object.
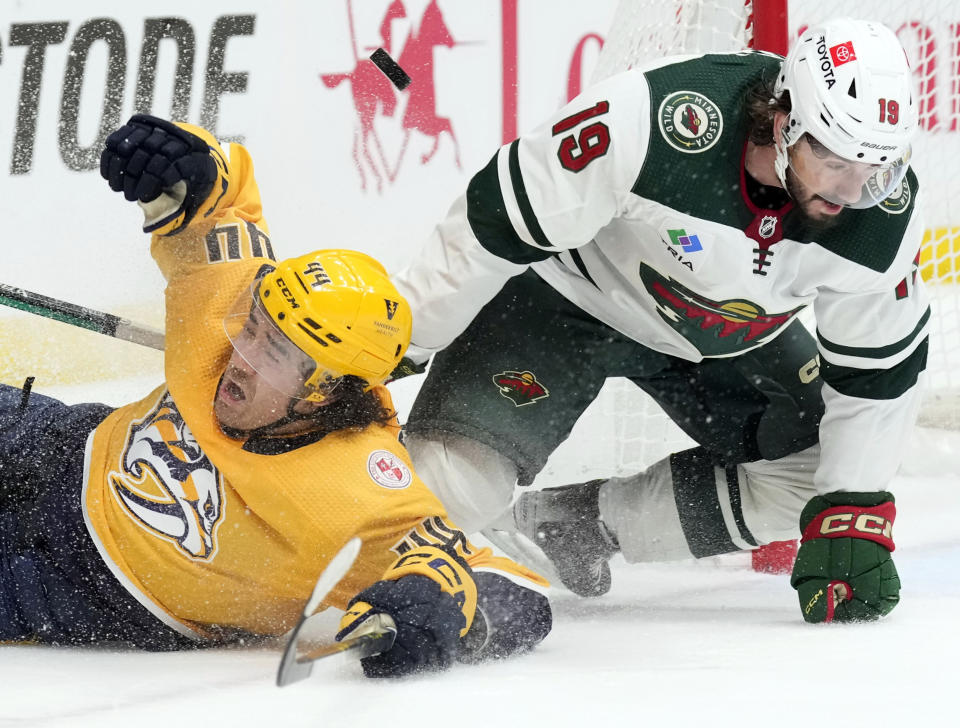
(391, 69)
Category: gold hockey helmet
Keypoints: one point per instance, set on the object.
(338, 308)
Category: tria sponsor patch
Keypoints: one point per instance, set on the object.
(689, 243)
(680, 244)
(388, 471)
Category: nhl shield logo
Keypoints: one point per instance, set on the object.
(689, 121)
(521, 388)
(768, 226)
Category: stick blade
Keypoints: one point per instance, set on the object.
(291, 670)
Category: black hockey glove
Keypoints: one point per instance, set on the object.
(164, 167)
(428, 622)
(843, 571)
(405, 368)
(510, 619)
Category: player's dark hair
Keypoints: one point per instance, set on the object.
(353, 408)
(761, 105)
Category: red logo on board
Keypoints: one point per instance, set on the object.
(375, 97)
(842, 53)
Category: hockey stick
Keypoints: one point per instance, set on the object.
(85, 318)
(294, 667)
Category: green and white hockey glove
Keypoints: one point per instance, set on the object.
(844, 571)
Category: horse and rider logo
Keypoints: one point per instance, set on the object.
(375, 97)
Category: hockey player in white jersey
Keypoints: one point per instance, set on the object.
(668, 226)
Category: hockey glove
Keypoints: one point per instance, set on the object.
(510, 619)
(168, 170)
(843, 571)
(431, 597)
(405, 368)
(427, 619)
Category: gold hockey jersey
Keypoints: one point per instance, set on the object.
(209, 535)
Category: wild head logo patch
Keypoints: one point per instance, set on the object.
(716, 328)
(689, 121)
(899, 199)
(167, 484)
(520, 387)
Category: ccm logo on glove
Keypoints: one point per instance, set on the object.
(874, 524)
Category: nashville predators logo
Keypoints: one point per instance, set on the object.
(521, 388)
(716, 328)
(689, 121)
(167, 484)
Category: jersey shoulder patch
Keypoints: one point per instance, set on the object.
(698, 131)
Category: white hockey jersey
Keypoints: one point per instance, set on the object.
(631, 203)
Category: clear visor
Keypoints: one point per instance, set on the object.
(841, 181)
(266, 350)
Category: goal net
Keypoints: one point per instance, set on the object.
(631, 432)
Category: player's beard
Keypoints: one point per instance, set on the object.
(804, 200)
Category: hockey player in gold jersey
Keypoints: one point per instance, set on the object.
(209, 508)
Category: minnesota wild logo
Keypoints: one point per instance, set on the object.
(715, 327)
(520, 387)
(899, 199)
(689, 121)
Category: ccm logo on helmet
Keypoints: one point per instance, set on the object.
(286, 293)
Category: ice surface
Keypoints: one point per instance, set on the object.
(693, 643)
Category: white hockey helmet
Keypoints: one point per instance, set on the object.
(851, 89)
